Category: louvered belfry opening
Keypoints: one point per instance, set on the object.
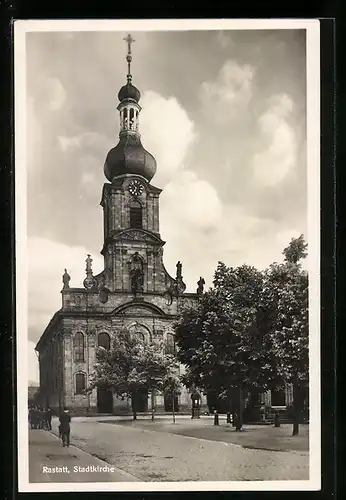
(136, 216)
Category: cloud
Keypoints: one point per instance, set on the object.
(47, 261)
(167, 133)
(224, 39)
(191, 202)
(279, 155)
(229, 94)
(52, 94)
(33, 371)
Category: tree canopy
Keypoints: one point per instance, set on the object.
(250, 331)
(223, 340)
(130, 366)
(286, 297)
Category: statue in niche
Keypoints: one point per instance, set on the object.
(200, 284)
(103, 295)
(137, 275)
(66, 279)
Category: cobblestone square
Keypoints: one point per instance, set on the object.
(192, 451)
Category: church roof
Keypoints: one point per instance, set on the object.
(129, 157)
(129, 91)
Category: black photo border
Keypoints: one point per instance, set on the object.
(329, 35)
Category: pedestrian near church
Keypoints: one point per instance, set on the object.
(64, 427)
(48, 418)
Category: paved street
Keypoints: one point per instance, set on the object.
(265, 437)
(50, 462)
(166, 456)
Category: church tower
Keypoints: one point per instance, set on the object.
(133, 247)
(134, 289)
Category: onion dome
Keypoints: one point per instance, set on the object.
(129, 91)
(129, 157)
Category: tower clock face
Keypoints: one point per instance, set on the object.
(135, 187)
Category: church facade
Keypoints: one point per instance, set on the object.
(134, 290)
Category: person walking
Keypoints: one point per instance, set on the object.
(31, 417)
(39, 417)
(48, 418)
(35, 418)
(64, 427)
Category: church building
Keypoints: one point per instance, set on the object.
(134, 290)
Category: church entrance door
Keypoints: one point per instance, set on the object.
(278, 397)
(168, 400)
(140, 401)
(104, 401)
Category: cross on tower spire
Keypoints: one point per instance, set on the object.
(129, 40)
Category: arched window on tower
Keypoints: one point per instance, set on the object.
(132, 118)
(78, 347)
(80, 383)
(125, 120)
(104, 340)
(136, 221)
(170, 344)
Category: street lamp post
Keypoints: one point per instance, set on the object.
(152, 405)
(173, 405)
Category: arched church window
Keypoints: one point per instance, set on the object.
(170, 344)
(140, 336)
(104, 340)
(136, 221)
(78, 347)
(80, 383)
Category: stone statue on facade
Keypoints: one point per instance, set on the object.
(136, 274)
(177, 287)
(179, 270)
(90, 281)
(66, 279)
(200, 284)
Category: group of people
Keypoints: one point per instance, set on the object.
(41, 418)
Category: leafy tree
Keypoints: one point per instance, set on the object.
(224, 339)
(132, 367)
(286, 296)
(172, 384)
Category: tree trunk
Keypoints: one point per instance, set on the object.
(173, 406)
(152, 405)
(133, 400)
(239, 422)
(229, 409)
(296, 410)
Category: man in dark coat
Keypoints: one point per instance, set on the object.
(64, 427)
(35, 418)
(31, 417)
(48, 418)
(40, 417)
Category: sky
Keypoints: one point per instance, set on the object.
(224, 114)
